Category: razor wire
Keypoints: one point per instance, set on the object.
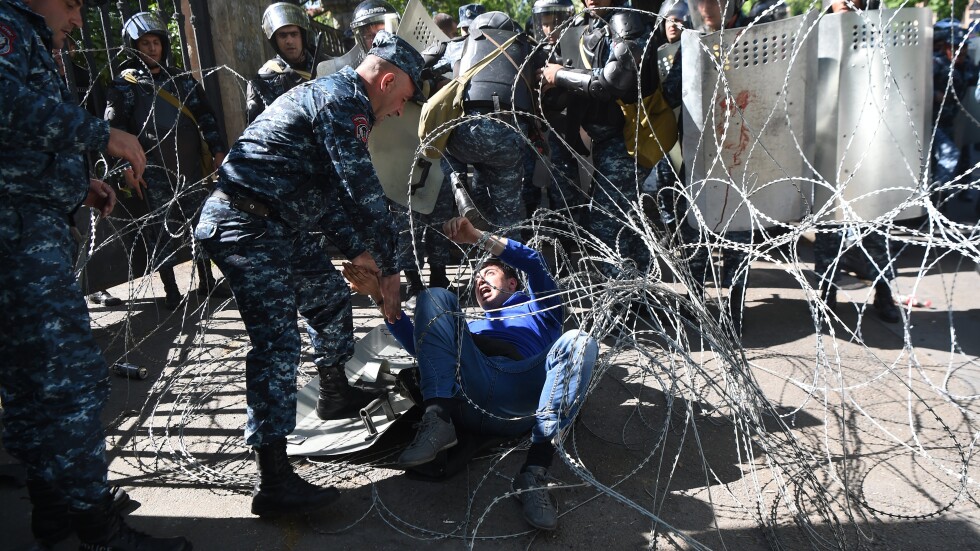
(692, 391)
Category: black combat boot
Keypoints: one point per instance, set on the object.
(339, 400)
(415, 285)
(103, 529)
(49, 516)
(279, 490)
(207, 286)
(173, 298)
(885, 304)
(437, 277)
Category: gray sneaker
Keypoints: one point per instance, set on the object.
(434, 436)
(532, 488)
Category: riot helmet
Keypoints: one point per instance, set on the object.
(144, 23)
(496, 20)
(371, 16)
(466, 15)
(675, 16)
(713, 15)
(548, 15)
(284, 14)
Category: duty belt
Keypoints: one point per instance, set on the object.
(244, 203)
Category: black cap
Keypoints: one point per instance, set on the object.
(398, 52)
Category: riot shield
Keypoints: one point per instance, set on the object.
(875, 107)
(418, 29)
(748, 123)
(408, 182)
(352, 58)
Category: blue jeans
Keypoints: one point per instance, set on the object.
(500, 396)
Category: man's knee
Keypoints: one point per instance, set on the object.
(576, 349)
(437, 300)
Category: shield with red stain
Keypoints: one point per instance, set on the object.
(749, 124)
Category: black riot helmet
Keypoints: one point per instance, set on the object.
(283, 14)
(371, 16)
(143, 23)
(548, 15)
(495, 20)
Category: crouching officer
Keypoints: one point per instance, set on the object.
(53, 379)
(303, 166)
(287, 27)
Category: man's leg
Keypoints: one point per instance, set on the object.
(324, 302)
(54, 384)
(616, 202)
(255, 255)
(569, 364)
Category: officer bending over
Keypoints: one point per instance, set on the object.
(303, 166)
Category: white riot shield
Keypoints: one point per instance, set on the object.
(748, 123)
(352, 58)
(418, 29)
(394, 142)
(874, 112)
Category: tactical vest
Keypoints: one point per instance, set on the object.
(169, 137)
(500, 77)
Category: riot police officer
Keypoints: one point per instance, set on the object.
(287, 27)
(53, 379)
(847, 250)
(451, 52)
(498, 97)
(168, 110)
(606, 68)
(370, 17)
(302, 167)
(952, 73)
(563, 189)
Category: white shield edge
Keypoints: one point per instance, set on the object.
(418, 28)
(750, 170)
(352, 58)
(875, 113)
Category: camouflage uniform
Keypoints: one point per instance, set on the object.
(945, 153)
(869, 258)
(174, 174)
(274, 79)
(53, 379)
(495, 151)
(615, 199)
(306, 160)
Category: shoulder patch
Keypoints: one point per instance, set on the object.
(361, 129)
(7, 39)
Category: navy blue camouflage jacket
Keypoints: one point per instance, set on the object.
(42, 132)
(274, 79)
(306, 157)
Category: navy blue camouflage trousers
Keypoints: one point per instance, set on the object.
(496, 152)
(53, 379)
(274, 272)
(615, 200)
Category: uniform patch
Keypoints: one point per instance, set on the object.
(7, 38)
(361, 129)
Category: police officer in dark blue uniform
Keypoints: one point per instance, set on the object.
(603, 53)
(53, 379)
(168, 110)
(287, 27)
(301, 167)
(499, 98)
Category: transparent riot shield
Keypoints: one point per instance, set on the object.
(749, 123)
(874, 111)
(418, 29)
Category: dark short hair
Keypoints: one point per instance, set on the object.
(508, 270)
